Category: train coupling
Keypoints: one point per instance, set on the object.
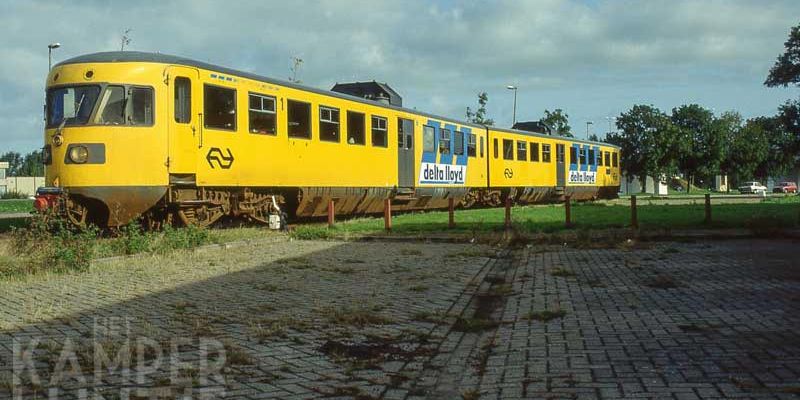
(47, 197)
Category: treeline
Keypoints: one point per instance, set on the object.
(693, 141)
(28, 165)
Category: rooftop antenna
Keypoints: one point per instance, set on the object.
(126, 39)
(296, 62)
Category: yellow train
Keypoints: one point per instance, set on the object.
(166, 139)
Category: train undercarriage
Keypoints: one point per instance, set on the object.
(186, 204)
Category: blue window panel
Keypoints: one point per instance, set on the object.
(447, 158)
(597, 154)
(573, 162)
(462, 160)
(427, 156)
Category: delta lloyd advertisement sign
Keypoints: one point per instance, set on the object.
(443, 174)
(587, 177)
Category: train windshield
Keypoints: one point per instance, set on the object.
(71, 105)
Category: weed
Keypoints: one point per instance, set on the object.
(545, 316)
(356, 316)
(411, 252)
(470, 394)
(235, 355)
(474, 325)
(662, 281)
(562, 272)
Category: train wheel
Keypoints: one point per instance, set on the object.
(202, 216)
(77, 213)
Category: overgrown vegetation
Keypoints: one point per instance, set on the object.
(11, 195)
(52, 245)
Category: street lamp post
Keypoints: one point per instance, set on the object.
(514, 110)
(587, 129)
(50, 48)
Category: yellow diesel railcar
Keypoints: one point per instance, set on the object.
(167, 139)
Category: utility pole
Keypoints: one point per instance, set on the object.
(587, 129)
(50, 48)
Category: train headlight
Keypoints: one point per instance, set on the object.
(79, 154)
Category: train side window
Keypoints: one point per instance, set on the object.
(608, 158)
(582, 153)
(219, 108)
(471, 145)
(329, 124)
(481, 146)
(400, 135)
(496, 147)
(428, 139)
(614, 160)
(534, 151)
(261, 114)
(545, 152)
(522, 151)
(573, 155)
(592, 159)
(459, 143)
(183, 100)
(379, 132)
(298, 119)
(444, 141)
(508, 149)
(355, 128)
(599, 158)
(141, 100)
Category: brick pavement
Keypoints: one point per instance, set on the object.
(303, 320)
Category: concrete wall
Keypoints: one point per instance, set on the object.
(23, 184)
(651, 186)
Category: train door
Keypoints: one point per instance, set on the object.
(561, 171)
(184, 119)
(405, 152)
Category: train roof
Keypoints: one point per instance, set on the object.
(140, 56)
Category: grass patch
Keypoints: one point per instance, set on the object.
(16, 206)
(550, 218)
(545, 316)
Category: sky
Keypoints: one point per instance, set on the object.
(594, 59)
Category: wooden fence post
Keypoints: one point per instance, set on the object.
(450, 207)
(708, 208)
(387, 214)
(568, 211)
(508, 213)
(634, 214)
(331, 213)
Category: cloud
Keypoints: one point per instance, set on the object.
(592, 58)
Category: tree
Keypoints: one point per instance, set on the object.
(558, 121)
(14, 161)
(748, 147)
(594, 138)
(787, 67)
(32, 164)
(479, 116)
(785, 72)
(648, 142)
(702, 141)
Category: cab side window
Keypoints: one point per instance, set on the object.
(380, 132)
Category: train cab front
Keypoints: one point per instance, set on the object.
(104, 159)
